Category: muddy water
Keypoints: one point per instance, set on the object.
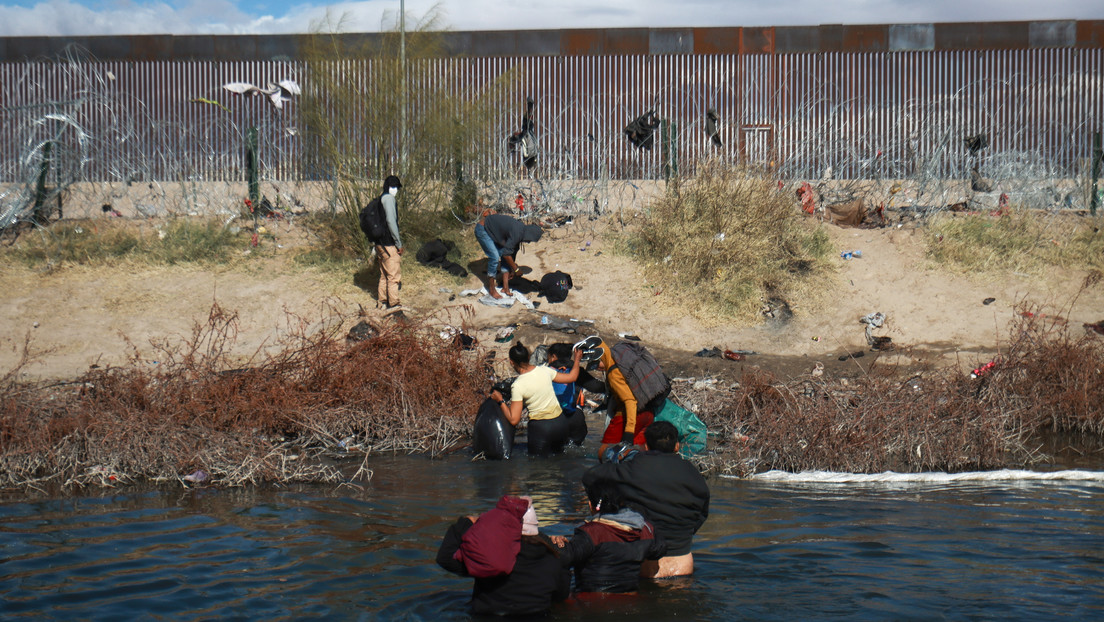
(772, 550)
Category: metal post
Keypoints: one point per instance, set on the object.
(1097, 156)
(40, 185)
(251, 166)
(402, 67)
(669, 153)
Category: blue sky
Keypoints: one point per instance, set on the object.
(107, 17)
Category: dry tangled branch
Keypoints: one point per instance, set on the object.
(1048, 384)
(282, 418)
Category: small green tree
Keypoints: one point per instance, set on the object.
(354, 104)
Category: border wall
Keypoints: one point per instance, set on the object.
(876, 102)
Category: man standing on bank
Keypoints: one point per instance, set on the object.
(390, 249)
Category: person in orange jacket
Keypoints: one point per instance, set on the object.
(628, 418)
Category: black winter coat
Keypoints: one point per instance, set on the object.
(670, 491)
(537, 581)
(607, 556)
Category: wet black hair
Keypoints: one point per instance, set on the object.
(661, 436)
(519, 353)
(560, 352)
(605, 496)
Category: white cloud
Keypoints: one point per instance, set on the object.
(66, 17)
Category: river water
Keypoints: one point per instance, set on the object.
(783, 547)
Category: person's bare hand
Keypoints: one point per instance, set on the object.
(560, 541)
(496, 396)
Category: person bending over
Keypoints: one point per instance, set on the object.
(501, 237)
(628, 418)
(671, 492)
(532, 390)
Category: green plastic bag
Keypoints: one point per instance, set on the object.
(692, 432)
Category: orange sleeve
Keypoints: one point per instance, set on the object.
(621, 390)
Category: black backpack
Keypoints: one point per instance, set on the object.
(555, 285)
(373, 222)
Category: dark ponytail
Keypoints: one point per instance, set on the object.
(605, 496)
(519, 354)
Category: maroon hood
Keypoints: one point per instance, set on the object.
(490, 547)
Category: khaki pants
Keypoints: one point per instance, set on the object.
(390, 275)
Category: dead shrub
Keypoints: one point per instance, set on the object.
(271, 420)
(1049, 380)
(729, 239)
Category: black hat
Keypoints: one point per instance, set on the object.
(391, 182)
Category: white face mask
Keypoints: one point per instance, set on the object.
(392, 191)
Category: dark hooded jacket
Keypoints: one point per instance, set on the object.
(608, 549)
(508, 233)
(536, 581)
(669, 490)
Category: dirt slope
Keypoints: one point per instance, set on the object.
(82, 316)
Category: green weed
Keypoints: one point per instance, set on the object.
(1019, 241)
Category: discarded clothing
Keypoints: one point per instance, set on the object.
(505, 301)
(491, 301)
(849, 214)
(554, 286)
(711, 129)
(872, 321)
(641, 130)
(435, 254)
(552, 322)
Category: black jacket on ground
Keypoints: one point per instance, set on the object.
(537, 581)
(607, 554)
(669, 490)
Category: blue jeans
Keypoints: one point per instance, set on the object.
(494, 258)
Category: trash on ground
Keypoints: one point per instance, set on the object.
(552, 322)
(198, 477)
(988, 301)
(872, 321)
(881, 343)
(491, 301)
(361, 332)
(504, 334)
(981, 371)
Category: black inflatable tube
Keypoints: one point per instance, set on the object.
(493, 436)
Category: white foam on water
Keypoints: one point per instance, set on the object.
(1003, 475)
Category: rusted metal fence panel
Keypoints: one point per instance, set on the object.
(877, 114)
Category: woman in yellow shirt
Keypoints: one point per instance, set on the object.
(532, 390)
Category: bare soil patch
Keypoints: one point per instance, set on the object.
(78, 316)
